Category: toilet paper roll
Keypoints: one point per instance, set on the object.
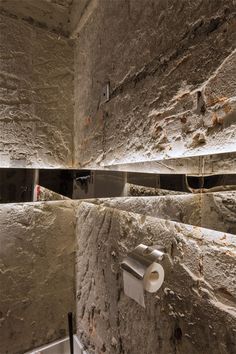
(141, 271)
(153, 277)
(133, 288)
(152, 281)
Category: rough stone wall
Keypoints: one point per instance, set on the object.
(194, 312)
(50, 14)
(136, 190)
(36, 273)
(37, 280)
(36, 97)
(215, 211)
(80, 11)
(171, 67)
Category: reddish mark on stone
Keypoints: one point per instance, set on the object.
(87, 121)
(215, 119)
(211, 101)
(227, 108)
(37, 191)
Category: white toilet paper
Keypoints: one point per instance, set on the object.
(153, 278)
(141, 272)
(133, 288)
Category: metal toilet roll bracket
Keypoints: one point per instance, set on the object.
(142, 270)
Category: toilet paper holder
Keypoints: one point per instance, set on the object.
(142, 270)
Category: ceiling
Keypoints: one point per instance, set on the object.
(52, 14)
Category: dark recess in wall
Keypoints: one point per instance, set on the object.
(59, 181)
(17, 185)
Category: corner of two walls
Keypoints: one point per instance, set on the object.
(36, 97)
(41, 243)
(171, 69)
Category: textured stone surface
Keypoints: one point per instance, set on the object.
(37, 268)
(80, 12)
(136, 190)
(216, 211)
(36, 97)
(36, 274)
(220, 163)
(172, 91)
(65, 3)
(195, 310)
(50, 14)
(171, 68)
(45, 194)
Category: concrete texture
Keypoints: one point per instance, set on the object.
(194, 311)
(36, 273)
(36, 97)
(171, 68)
